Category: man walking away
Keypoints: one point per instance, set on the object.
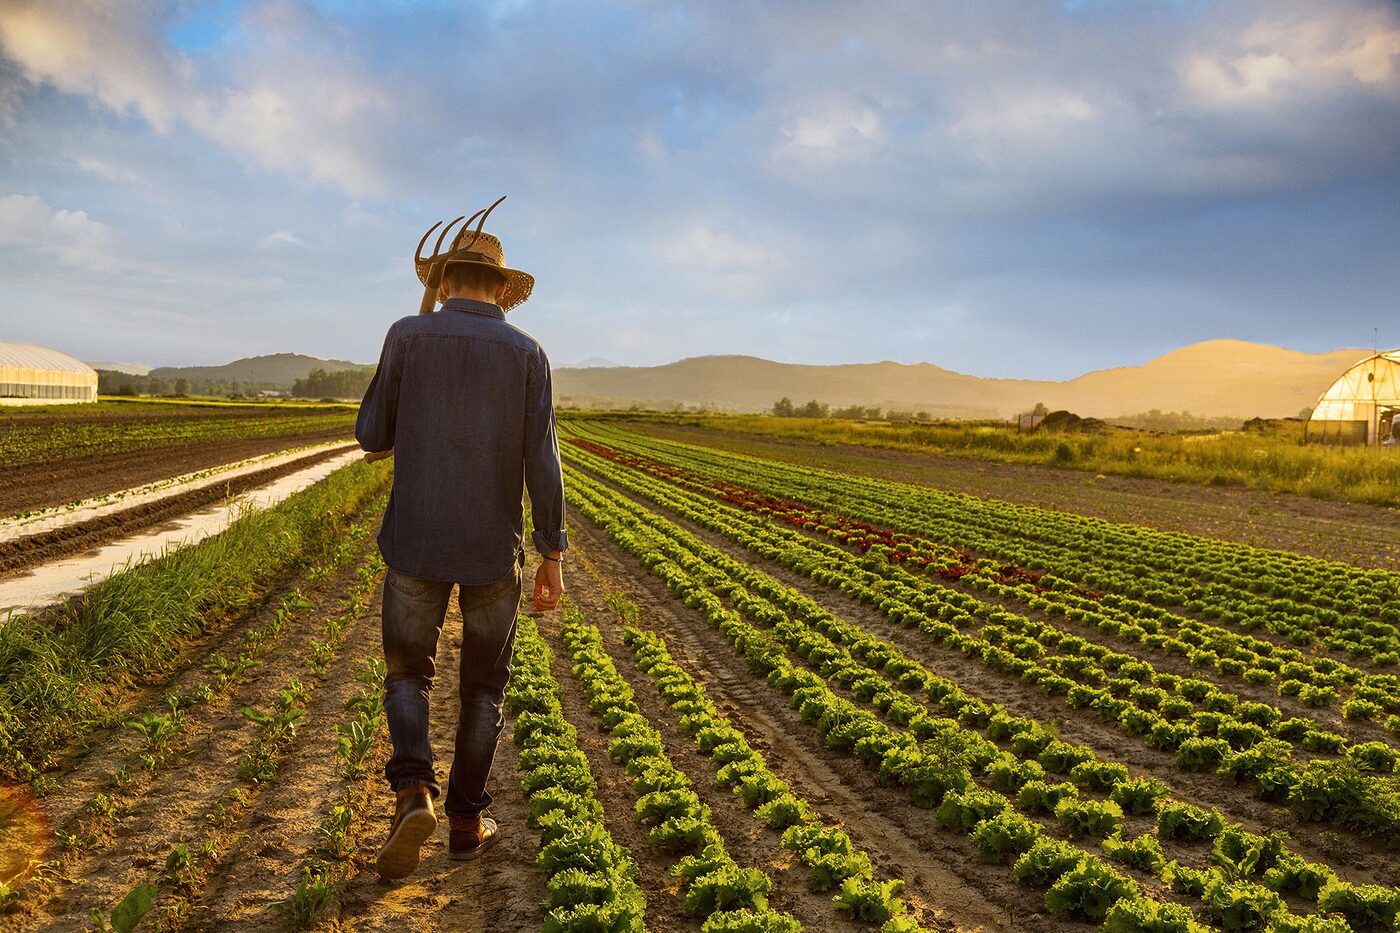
(462, 401)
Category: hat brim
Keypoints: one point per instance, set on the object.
(518, 284)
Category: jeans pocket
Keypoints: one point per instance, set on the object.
(411, 587)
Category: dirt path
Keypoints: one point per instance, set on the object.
(499, 891)
(35, 486)
(1358, 534)
(945, 879)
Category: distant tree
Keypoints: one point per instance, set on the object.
(783, 407)
(1040, 409)
(182, 387)
(812, 409)
(345, 383)
(921, 416)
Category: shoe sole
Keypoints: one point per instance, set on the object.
(470, 854)
(400, 856)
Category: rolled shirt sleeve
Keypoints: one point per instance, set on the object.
(374, 426)
(544, 478)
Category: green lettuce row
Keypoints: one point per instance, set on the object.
(1305, 599)
(1203, 644)
(1334, 791)
(1162, 698)
(1289, 874)
(935, 778)
(592, 881)
(715, 885)
(831, 859)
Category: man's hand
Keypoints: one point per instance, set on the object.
(549, 583)
(373, 455)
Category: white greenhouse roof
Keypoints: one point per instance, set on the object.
(1374, 380)
(29, 356)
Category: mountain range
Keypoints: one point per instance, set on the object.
(276, 371)
(1216, 378)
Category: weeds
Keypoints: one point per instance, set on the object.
(312, 896)
(53, 671)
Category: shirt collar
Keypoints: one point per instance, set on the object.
(473, 306)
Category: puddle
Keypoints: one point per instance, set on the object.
(64, 515)
(62, 579)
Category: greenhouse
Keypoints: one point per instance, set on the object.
(1361, 406)
(31, 375)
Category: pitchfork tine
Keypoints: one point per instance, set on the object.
(418, 253)
(482, 222)
(457, 240)
(437, 247)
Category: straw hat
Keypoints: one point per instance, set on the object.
(473, 248)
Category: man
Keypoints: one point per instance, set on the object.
(462, 401)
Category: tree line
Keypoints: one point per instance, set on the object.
(784, 408)
(349, 383)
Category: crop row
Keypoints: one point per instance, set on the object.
(831, 858)
(592, 881)
(932, 767)
(1033, 744)
(1316, 681)
(177, 886)
(332, 863)
(62, 673)
(1304, 599)
(729, 896)
(59, 440)
(1226, 734)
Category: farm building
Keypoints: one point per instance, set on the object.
(1361, 406)
(31, 375)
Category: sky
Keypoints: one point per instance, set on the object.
(1000, 187)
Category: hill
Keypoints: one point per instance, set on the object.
(276, 371)
(1225, 378)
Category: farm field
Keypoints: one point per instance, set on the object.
(1270, 457)
(51, 456)
(1354, 532)
(778, 697)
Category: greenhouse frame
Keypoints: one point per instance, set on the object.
(1362, 407)
(32, 375)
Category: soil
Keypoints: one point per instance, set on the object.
(1352, 532)
(158, 810)
(34, 550)
(31, 486)
(498, 891)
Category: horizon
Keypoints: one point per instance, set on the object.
(1029, 192)
(749, 356)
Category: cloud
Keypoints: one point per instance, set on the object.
(70, 236)
(105, 170)
(842, 131)
(68, 43)
(280, 238)
(1327, 51)
(290, 102)
(735, 176)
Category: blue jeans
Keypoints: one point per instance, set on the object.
(413, 614)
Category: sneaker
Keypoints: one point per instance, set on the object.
(412, 824)
(470, 836)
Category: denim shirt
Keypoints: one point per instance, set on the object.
(465, 401)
